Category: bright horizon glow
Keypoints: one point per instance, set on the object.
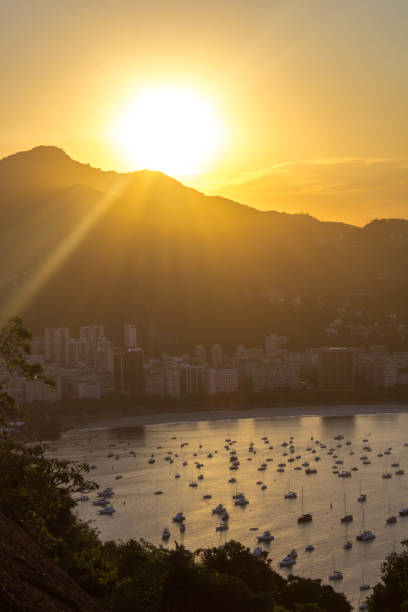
(169, 128)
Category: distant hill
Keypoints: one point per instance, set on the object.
(79, 245)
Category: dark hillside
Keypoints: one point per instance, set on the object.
(30, 582)
(79, 246)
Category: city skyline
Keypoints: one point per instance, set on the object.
(93, 367)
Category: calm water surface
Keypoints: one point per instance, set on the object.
(142, 514)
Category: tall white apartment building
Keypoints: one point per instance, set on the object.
(274, 343)
(104, 356)
(37, 346)
(89, 389)
(54, 344)
(192, 379)
(199, 354)
(76, 352)
(155, 381)
(173, 381)
(37, 391)
(222, 380)
(216, 356)
(279, 375)
(92, 334)
(384, 372)
(130, 335)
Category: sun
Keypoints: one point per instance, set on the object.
(169, 128)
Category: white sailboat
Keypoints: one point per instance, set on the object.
(290, 494)
(366, 535)
(335, 575)
(391, 518)
(347, 518)
(304, 518)
(362, 497)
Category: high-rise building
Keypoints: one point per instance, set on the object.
(336, 368)
(173, 381)
(92, 334)
(199, 354)
(274, 343)
(401, 359)
(130, 335)
(76, 352)
(37, 346)
(128, 371)
(272, 376)
(54, 344)
(88, 389)
(383, 372)
(104, 356)
(222, 380)
(37, 391)
(155, 381)
(216, 355)
(192, 379)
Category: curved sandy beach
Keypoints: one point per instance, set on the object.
(140, 420)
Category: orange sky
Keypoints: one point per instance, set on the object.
(313, 94)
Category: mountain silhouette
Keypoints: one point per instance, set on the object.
(80, 245)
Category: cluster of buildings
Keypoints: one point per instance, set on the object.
(91, 366)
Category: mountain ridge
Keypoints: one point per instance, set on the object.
(186, 267)
(44, 155)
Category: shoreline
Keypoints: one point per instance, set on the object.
(165, 418)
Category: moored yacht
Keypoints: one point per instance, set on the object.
(287, 561)
(222, 527)
(101, 502)
(241, 501)
(347, 518)
(365, 587)
(365, 536)
(335, 575)
(82, 498)
(304, 518)
(107, 510)
(266, 537)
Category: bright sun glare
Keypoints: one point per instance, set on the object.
(172, 129)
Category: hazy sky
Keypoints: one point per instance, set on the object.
(313, 93)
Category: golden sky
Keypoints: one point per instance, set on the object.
(312, 94)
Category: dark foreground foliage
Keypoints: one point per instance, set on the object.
(391, 594)
(35, 492)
